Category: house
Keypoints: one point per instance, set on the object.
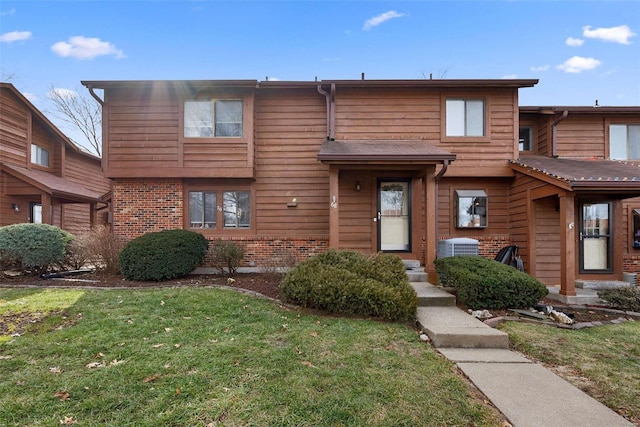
(372, 165)
(44, 176)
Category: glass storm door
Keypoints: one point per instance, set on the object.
(36, 213)
(595, 237)
(393, 216)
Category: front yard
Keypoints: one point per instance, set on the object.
(204, 356)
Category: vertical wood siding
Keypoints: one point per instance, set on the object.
(289, 130)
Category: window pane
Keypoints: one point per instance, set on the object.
(202, 209)
(198, 122)
(228, 118)
(237, 209)
(455, 117)
(475, 118)
(633, 143)
(525, 139)
(618, 142)
(44, 157)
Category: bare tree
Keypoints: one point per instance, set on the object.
(80, 111)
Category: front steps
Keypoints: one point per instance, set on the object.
(445, 324)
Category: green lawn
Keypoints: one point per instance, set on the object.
(208, 357)
(603, 361)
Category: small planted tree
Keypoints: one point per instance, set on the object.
(227, 256)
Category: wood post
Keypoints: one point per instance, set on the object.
(430, 220)
(567, 245)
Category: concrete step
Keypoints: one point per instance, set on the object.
(432, 296)
(417, 276)
(602, 284)
(451, 327)
(411, 263)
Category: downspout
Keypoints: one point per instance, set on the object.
(95, 96)
(331, 114)
(554, 152)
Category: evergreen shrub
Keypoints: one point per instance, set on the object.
(482, 283)
(348, 282)
(33, 247)
(162, 255)
(627, 298)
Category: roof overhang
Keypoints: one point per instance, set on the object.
(383, 152)
(57, 187)
(616, 178)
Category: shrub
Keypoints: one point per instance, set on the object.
(33, 247)
(227, 255)
(104, 248)
(482, 283)
(162, 255)
(351, 283)
(627, 298)
(76, 255)
(274, 268)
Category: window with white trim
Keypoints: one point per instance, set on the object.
(217, 118)
(624, 142)
(465, 117)
(471, 208)
(39, 155)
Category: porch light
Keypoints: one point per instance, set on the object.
(15, 207)
(293, 203)
(358, 186)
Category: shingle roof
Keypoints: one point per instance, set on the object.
(383, 151)
(52, 184)
(582, 174)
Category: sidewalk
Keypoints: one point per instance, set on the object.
(525, 392)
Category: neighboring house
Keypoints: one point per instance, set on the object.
(371, 165)
(44, 177)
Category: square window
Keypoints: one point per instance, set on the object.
(202, 209)
(228, 116)
(624, 142)
(237, 209)
(465, 117)
(39, 155)
(471, 209)
(198, 119)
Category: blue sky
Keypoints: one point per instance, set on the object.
(580, 50)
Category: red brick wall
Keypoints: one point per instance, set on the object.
(145, 205)
(631, 264)
(273, 251)
(488, 246)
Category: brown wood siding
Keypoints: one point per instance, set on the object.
(581, 137)
(356, 216)
(14, 130)
(75, 217)
(498, 207)
(547, 235)
(396, 114)
(289, 130)
(544, 137)
(86, 172)
(519, 216)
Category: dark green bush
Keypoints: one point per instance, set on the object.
(351, 283)
(627, 298)
(162, 255)
(227, 256)
(33, 247)
(483, 283)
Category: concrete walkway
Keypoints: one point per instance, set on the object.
(525, 392)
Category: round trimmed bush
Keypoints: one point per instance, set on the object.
(351, 283)
(33, 247)
(483, 283)
(162, 255)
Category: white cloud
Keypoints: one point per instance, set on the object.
(377, 20)
(510, 76)
(578, 64)
(574, 42)
(81, 47)
(30, 96)
(620, 34)
(544, 67)
(9, 12)
(62, 93)
(15, 36)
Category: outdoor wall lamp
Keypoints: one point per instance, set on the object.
(15, 207)
(293, 203)
(358, 186)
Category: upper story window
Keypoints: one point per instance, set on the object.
(217, 118)
(624, 142)
(465, 117)
(525, 142)
(39, 155)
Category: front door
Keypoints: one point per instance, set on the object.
(35, 211)
(595, 237)
(394, 215)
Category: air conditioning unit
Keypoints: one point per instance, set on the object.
(457, 246)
